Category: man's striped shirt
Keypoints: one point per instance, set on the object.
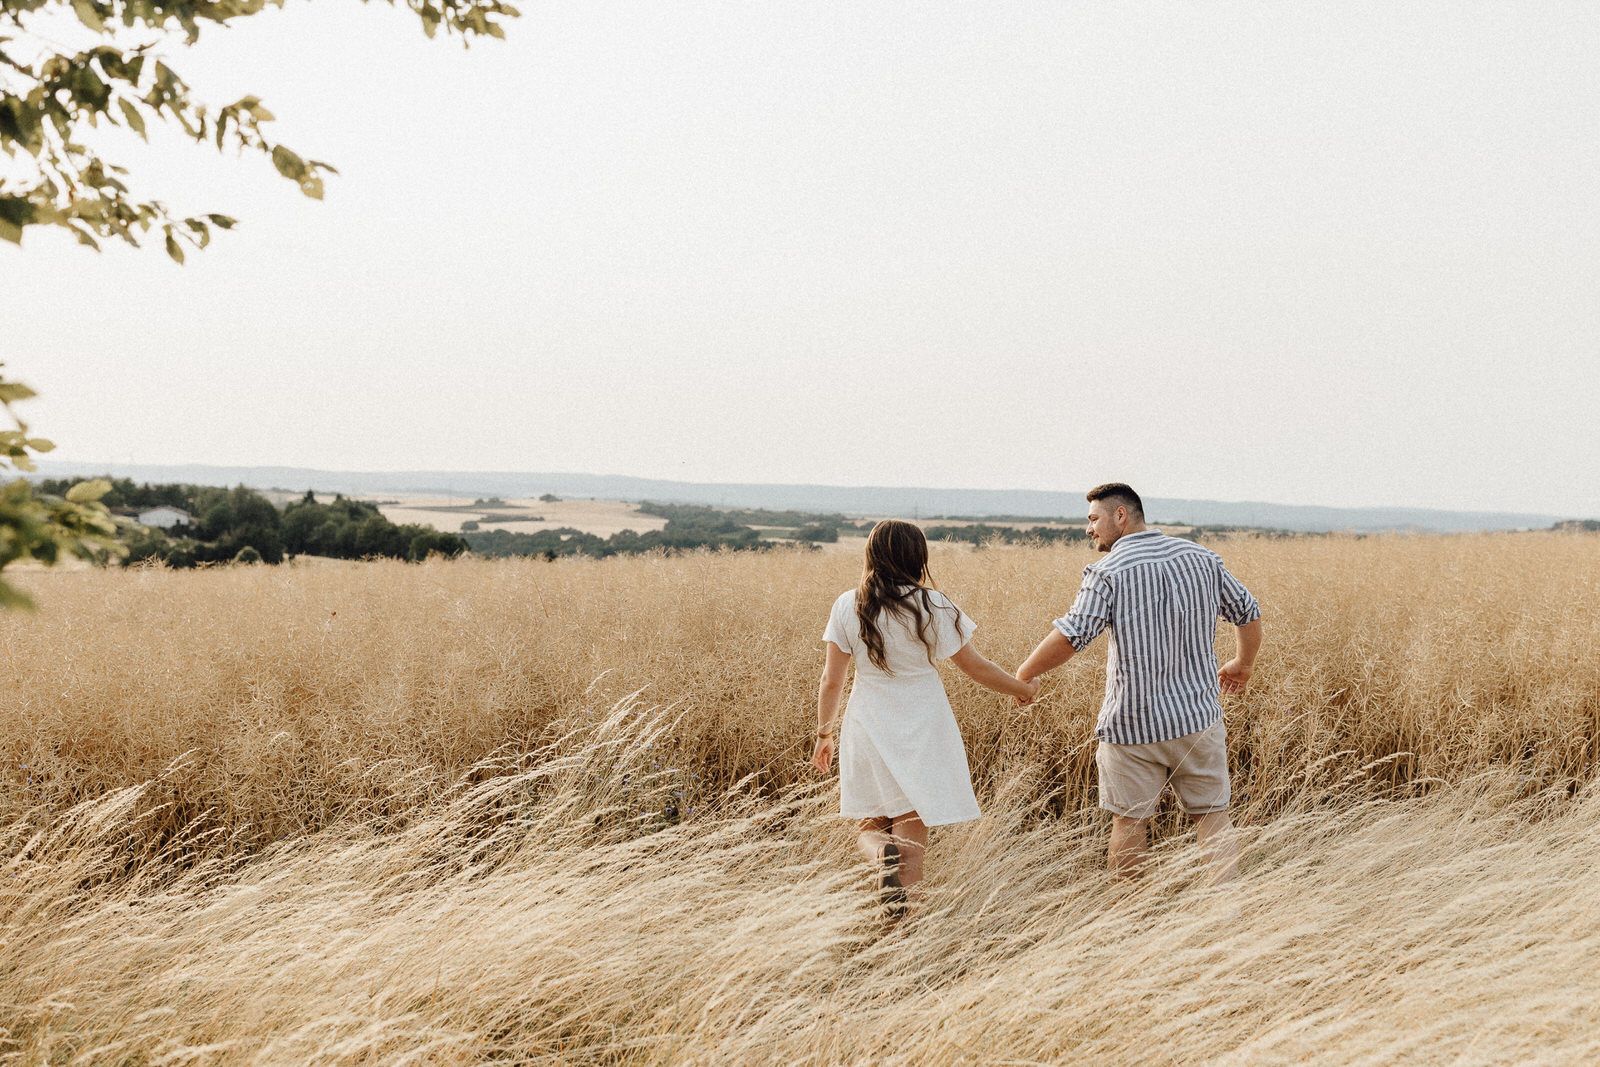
(1160, 597)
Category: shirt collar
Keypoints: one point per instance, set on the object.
(1141, 535)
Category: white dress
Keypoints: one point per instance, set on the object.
(899, 748)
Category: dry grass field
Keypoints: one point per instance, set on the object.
(531, 812)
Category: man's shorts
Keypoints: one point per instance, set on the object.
(1132, 776)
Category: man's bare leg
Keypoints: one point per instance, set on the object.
(1129, 843)
(1220, 845)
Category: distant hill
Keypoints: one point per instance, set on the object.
(850, 500)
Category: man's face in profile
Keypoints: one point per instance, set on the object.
(1107, 522)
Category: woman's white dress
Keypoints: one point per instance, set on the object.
(899, 748)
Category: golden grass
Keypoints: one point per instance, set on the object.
(301, 696)
(374, 812)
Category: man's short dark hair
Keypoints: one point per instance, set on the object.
(1118, 493)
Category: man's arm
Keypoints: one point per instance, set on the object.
(1049, 654)
(1235, 674)
(1090, 613)
(1241, 609)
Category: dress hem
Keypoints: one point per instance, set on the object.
(913, 811)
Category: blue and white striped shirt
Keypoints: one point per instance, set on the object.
(1160, 597)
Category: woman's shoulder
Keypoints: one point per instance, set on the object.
(846, 599)
(938, 599)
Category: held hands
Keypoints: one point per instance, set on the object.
(1032, 687)
(1234, 675)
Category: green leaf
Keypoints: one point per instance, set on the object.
(131, 113)
(289, 165)
(88, 492)
(11, 392)
(40, 444)
(223, 222)
(10, 231)
(174, 250)
(14, 599)
(89, 15)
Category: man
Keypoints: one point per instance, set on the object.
(1161, 720)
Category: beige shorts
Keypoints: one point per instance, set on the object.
(1132, 776)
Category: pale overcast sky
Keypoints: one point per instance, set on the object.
(1339, 253)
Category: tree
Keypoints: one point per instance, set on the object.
(817, 532)
(44, 526)
(426, 542)
(50, 98)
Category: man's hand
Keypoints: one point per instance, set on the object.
(1234, 675)
(1033, 685)
(822, 755)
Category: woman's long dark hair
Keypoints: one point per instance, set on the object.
(897, 557)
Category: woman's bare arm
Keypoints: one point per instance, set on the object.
(991, 675)
(830, 691)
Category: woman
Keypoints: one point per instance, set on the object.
(902, 766)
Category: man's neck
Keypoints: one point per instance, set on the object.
(1125, 535)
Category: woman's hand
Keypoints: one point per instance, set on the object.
(1031, 695)
(822, 755)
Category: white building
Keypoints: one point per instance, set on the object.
(165, 517)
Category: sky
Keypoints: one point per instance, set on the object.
(1319, 253)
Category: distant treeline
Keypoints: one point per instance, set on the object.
(241, 525)
(982, 533)
(692, 526)
(793, 520)
(686, 529)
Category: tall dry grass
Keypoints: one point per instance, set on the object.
(299, 697)
(546, 915)
(379, 814)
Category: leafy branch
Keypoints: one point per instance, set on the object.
(42, 527)
(51, 98)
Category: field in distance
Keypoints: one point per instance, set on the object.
(603, 518)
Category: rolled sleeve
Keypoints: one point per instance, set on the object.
(1236, 604)
(1090, 613)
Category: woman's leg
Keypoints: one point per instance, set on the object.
(873, 836)
(912, 837)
